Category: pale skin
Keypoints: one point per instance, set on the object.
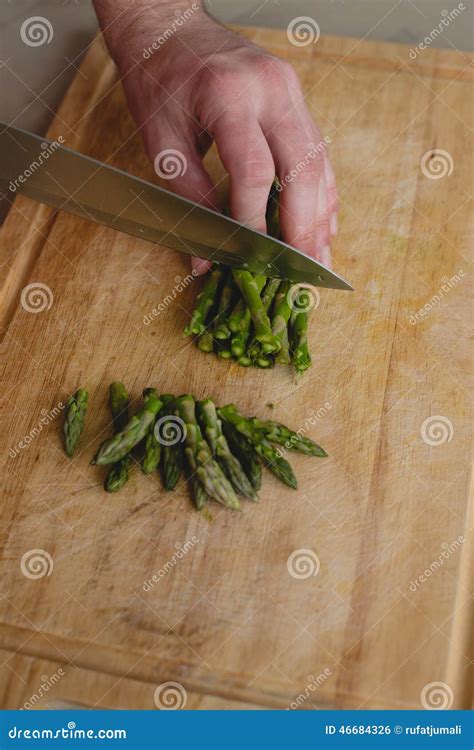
(203, 84)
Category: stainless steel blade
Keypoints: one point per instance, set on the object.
(49, 173)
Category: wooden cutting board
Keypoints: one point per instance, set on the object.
(387, 397)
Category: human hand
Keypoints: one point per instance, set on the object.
(190, 84)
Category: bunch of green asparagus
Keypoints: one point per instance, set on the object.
(250, 318)
(219, 451)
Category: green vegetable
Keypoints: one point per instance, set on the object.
(76, 409)
(205, 301)
(119, 402)
(276, 432)
(119, 445)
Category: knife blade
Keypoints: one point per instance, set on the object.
(52, 174)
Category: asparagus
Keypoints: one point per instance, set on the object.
(200, 496)
(199, 457)
(242, 323)
(206, 342)
(283, 356)
(249, 286)
(272, 213)
(171, 465)
(228, 293)
(278, 433)
(119, 402)
(151, 447)
(119, 445)
(299, 334)
(243, 449)
(276, 463)
(76, 408)
(205, 302)
(231, 465)
(281, 312)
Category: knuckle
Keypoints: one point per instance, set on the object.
(254, 172)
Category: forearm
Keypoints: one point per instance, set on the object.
(133, 28)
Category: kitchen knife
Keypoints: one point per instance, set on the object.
(52, 174)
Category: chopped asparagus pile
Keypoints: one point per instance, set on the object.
(252, 319)
(220, 451)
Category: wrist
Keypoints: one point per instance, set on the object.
(134, 32)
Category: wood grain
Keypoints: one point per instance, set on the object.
(229, 622)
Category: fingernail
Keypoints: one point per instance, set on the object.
(333, 224)
(200, 266)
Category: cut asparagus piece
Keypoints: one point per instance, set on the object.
(171, 465)
(212, 428)
(273, 460)
(281, 312)
(199, 457)
(119, 403)
(276, 432)
(76, 409)
(299, 336)
(151, 447)
(206, 342)
(249, 286)
(226, 303)
(119, 445)
(243, 449)
(205, 301)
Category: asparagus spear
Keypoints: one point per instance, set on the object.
(276, 463)
(231, 465)
(200, 496)
(171, 453)
(243, 449)
(199, 457)
(76, 408)
(119, 402)
(151, 447)
(226, 301)
(281, 312)
(299, 333)
(242, 323)
(278, 433)
(119, 445)
(283, 356)
(249, 286)
(205, 302)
